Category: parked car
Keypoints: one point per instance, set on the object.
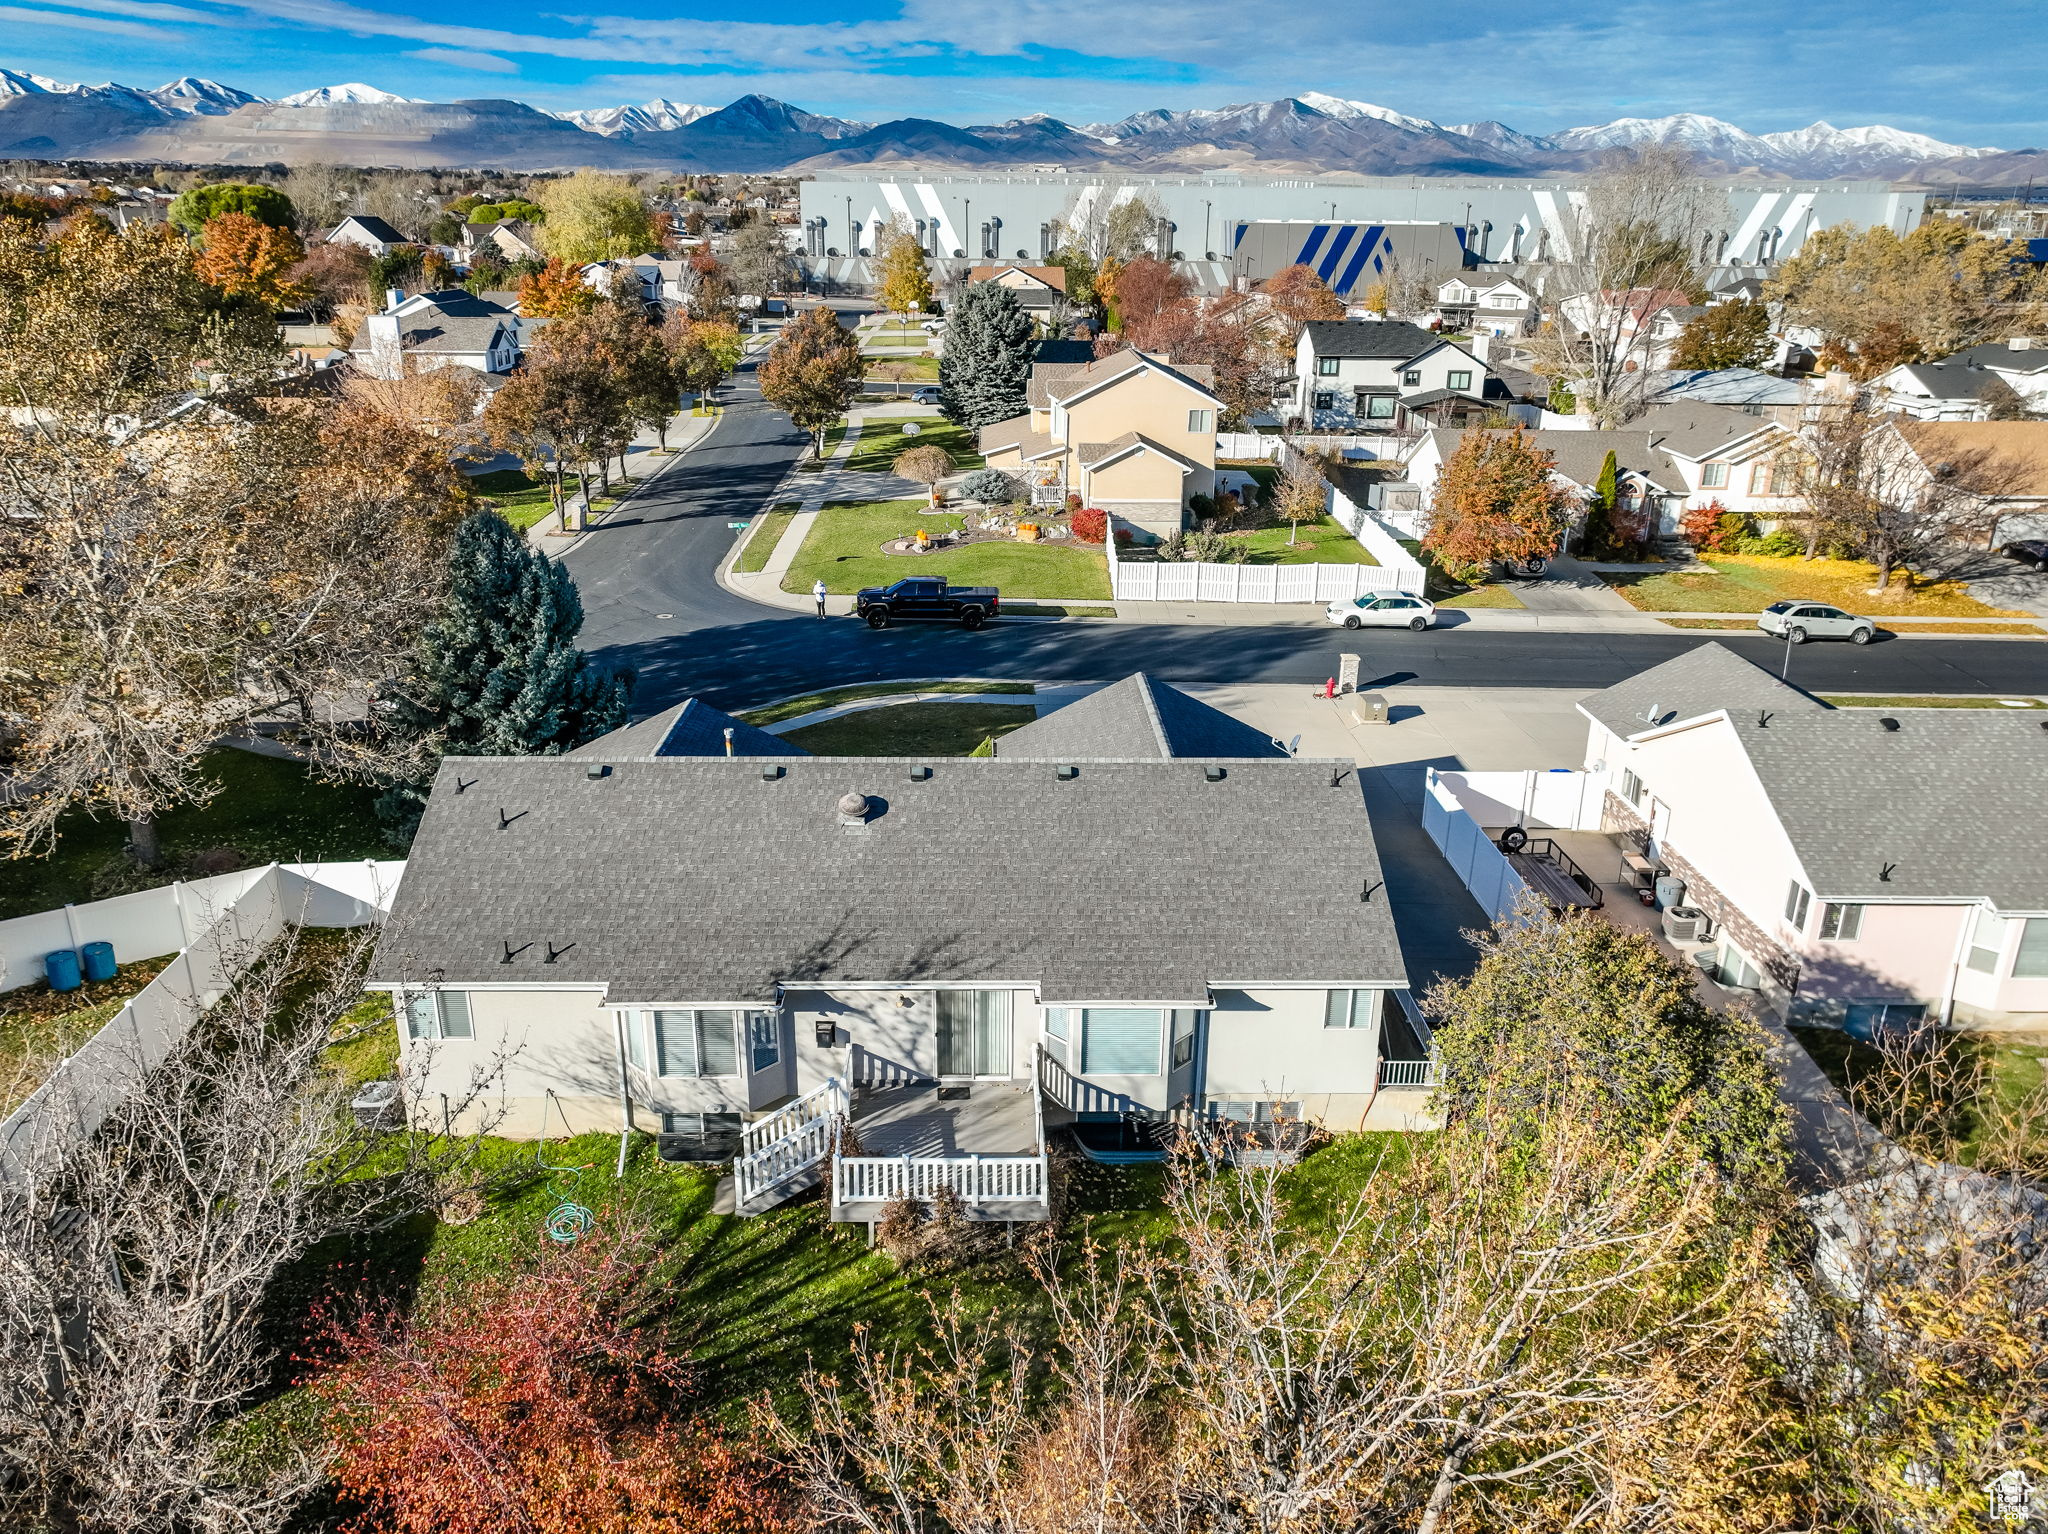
(2032, 551)
(1392, 611)
(1798, 622)
(928, 395)
(927, 598)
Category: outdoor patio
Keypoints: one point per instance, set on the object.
(984, 1118)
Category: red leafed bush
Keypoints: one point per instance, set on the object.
(529, 1406)
(1701, 525)
(1124, 538)
(1091, 524)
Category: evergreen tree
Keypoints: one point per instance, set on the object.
(1598, 537)
(498, 672)
(987, 360)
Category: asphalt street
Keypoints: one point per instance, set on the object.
(653, 602)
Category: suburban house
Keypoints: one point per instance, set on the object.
(897, 974)
(1787, 401)
(1845, 857)
(1389, 376)
(1952, 387)
(510, 239)
(1481, 303)
(1130, 433)
(449, 328)
(1745, 462)
(367, 232)
(1647, 321)
(1040, 290)
(1645, 476)
(2003, 463)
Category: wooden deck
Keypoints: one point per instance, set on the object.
(995, 1118)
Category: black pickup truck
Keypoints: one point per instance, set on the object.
(925, 597)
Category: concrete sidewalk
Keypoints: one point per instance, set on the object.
(644, 460)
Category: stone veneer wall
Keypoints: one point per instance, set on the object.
(1617, 814)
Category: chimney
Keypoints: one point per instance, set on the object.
(386, 360)
(393, 297)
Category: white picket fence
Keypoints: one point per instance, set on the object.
(1479, 864)
(1561, 799)
(1193, 581)
(216, 926)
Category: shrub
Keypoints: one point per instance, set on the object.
(1778, 545)
(1204, 507)
(1701, 526)
(1202, 546)
(992, 487)
(1733, 531)
(1073, 504)
(1090, 523)
(1124, 538)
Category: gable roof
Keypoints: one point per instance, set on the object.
(692, 728)
(371, 225)
(1996, 458)
(1395, 339)
(1057, 382)
(1138, 718)
(1701, 680)
(1054, 277)
(2026, 358)
(1099, 454)
(1694, 430)
(1580, 455)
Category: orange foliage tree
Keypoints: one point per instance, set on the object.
(1496, 502)
(530, 1406)
(1297, 296)
(555, 290)
(247, 259)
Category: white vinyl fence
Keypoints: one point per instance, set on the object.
(1562, 799)
(1479, 864)
(217, 927)
(1192, 581)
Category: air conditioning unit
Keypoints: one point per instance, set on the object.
(1686, 924)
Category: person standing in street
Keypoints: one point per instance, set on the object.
(818, 591)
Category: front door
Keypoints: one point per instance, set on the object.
(974, 1034)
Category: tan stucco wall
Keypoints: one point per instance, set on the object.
(1138, 477)
(1150, 404)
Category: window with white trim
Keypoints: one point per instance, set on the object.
(1201, 421)
(1841, 923)
(635, 1029)
(2030, 959)
(1351, 1009)
(1798, 901)
(1631, 787)
(690, 1042)
(1987, 943)
(438, 1015)
(1120, 1041)
(1183, 1037)
(1713, 475)
(764, 1040)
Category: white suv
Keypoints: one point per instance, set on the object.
(1801, 621)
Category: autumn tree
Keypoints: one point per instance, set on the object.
(813, 372)
(986, 364)
(1730, 335)
(595, 217)
(708, 292)
(251, 260)
(903, 274)
(2002, 402)
(533, 1405)
(1864, 489)
(762, 263)
(333, 277)
(1153, 303)
(1496, 501)
(166, 559)
(1933, 291)
(555, 290)
(702, 353)
(927, 464)
(1300, 494)
(1298, 297)
(190, 212)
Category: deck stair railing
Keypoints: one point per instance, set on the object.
(778, 1149)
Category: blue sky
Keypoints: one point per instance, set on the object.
(1969, 73)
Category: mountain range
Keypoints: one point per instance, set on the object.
(197, 121)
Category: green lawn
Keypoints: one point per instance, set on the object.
(1935, 1117)
(1322, 542)
(267, 811)
(834, 435)
(918, 369)
(1748, 583)
(844, 549)
(1482, 596)
(881, 440)
(767, 531)
(913, 729)
(1871, 700)
(810, 702)
(519, 499)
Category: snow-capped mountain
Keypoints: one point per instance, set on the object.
(657, 116)
(196, 120)
(355, 93)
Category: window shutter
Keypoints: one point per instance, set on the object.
(675, 1043)
(1120, 1041)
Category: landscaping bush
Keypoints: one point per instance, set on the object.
(1202, 546)
(1204, 507)
(991, 486)
(1090, 523)
(1778, 545)
(1701, 526)
(1124, 538)
(1073, 504)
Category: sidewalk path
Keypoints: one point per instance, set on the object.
(644, 460)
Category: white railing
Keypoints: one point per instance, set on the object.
(789, 1141)
(978, 1180)
(1407, 1073)
(216, 947)
(1077, 1094)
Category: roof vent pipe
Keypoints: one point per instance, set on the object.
(853, 806)
(728, 740)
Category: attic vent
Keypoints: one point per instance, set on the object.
(853, 806)
(770, 774)
(1067, 774)
(1888, 724)
(597, 770)
(920, 774)
(1215, 774)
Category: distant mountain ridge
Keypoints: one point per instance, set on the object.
(194, 120)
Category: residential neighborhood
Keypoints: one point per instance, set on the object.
(1256, 817)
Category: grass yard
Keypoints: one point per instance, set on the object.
(519, 499)
(1481, 596)
(844, 549)
(834, 435)
(881, 440)
(1871, 700)
(810, 702)
(913, 729)
(767, 531)
(1748, 583)
(1322, 542)
(1445, 590)
(1962, 1084)
(268, 810)
(39, 1026)
(916, 370)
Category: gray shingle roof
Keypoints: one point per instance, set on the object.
(1135, 719)
(1581, 454)
(1728, 386)
(1696, 430)
(698, 880)
(691, 728)
(1697, 682)
(1368, 338)
(375, 227)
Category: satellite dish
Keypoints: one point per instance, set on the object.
(1294, 746)
(912, 429)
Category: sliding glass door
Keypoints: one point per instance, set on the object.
(974, 1034)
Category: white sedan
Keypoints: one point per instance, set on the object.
(1387, 612)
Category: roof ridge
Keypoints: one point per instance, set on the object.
(1152, 713)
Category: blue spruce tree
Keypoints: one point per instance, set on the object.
(987, 360)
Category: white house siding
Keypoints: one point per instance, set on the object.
(1271, 1046)
(526, 1043)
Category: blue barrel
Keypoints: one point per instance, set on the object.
(62, 968)
(99, 961)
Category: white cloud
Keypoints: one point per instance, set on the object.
(98, 24)
(463, 58)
